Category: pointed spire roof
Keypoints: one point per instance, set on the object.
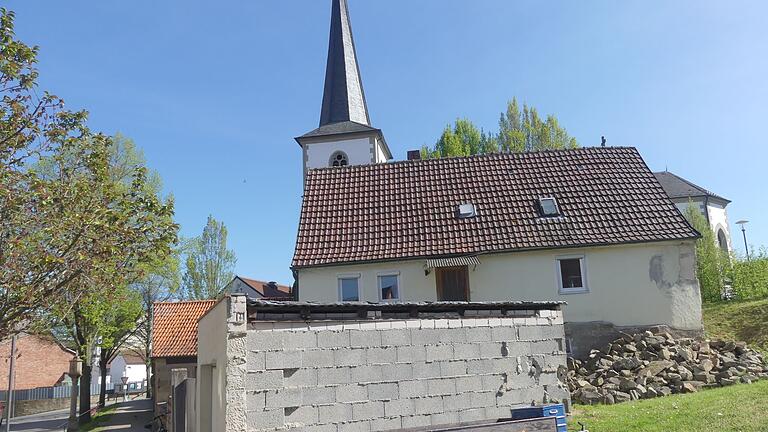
(343, 99)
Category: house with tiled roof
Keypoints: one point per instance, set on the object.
(683, 193)
(258, 290)
(174, 346)
(590, 226)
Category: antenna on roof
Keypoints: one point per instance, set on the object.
(602, 141)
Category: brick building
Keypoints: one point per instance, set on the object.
(41, 361)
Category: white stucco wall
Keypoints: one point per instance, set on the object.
(718, 219)
(212, 359)
(381, 156)
(134, 372)
(358, 151)
(629, 285)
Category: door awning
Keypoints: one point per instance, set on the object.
(452, 262)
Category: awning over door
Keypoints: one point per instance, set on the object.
(452, 262)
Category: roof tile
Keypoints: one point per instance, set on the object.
(174, 327)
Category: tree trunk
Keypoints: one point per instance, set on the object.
(85, 394)
(103, 387)
(149, 381)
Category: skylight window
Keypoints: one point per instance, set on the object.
(466, 210)
(549, 206)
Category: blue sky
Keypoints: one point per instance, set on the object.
(214, 92)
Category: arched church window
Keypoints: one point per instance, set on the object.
(339, 159)
(722, 241)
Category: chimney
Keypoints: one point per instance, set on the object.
(414, 155)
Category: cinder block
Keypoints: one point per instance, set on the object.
(416, 421)
(428, 405)
(480, 367)
(427, 370)
(267, 380)
(482, 399)
(349, 356)
(283, 398)
(335, 413)
(320, 428)
(259, 340)
(256, 401)
(396, 372)
(544, 347)
(490, 350)
(493, 382)
(386, 424)
(318, 395)
(351, 393)
(300, 340)
(412, 389)
(283, 360)
(466, 351)
(256, 361)
(386, 391)
(506, 364)
(446, 418)
(367, 410)
(411, 354)
(331, 376)
(478, 334)
(422, 337)
(439, 352)
(317, 358)
(439, 387)
(384, 355)
(360, 426)
(503, 334)
(472, 415)
(456, 402)
(453, 368)
(333, 339)
(398, 407)
(395, 337)
(452, 335)
(467, 384)
(299, 377)
(365, 338)
(498, 412)
(532, 333)
(303, 415)
(368, 373)
(269, 419)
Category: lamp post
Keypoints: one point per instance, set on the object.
(124, 379)
(75, 370)
(744, 233)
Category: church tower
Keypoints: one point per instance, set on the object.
(345, 136)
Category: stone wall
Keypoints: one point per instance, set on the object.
(331, 374)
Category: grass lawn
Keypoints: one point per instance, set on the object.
(735, 408)
(99, 418)
(739, 321)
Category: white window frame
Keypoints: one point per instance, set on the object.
(558, 274)
(340, 277)
(395, 273)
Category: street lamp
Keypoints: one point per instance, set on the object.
(75, 370)
(124, 379)
(744, 233)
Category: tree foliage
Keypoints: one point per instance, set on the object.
(64, 222)
(209, 265)
(711, 261)
(750, 277)
(520, 129)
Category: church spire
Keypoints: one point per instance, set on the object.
(343, 99)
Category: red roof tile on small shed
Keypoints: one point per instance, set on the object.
(174, 329)
(407, 210)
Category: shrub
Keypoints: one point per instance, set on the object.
(749, 278)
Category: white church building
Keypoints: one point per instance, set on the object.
(591, 226)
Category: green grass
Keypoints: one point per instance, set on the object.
(739, 321)
(742, 408)
(98, 419)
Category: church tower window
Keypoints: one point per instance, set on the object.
(338, 159)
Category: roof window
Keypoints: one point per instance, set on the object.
(466, 210)
(548, 206)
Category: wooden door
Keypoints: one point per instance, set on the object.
(452, 283)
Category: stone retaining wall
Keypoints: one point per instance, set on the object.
(329, 374)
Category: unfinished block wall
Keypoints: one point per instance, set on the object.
(372, 375)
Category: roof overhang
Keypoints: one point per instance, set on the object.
(462, 261)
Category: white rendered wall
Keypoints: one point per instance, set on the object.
(212, 351)
(134, 372)
(629, 285)
(358, 151)
(381, 156)
(718, 219)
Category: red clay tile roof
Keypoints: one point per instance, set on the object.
(408, 209)
(268, 289)
(174, 329)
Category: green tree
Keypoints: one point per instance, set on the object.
(711, 262)
(209, 265)
(520, 129)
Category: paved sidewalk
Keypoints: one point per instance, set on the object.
(129, 416)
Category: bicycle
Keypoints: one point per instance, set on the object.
(157, 424)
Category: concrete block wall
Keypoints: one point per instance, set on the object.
(384, 374)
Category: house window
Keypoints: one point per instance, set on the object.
(389, 286)
(571, 275)
(549, 206)
(338, 159)
(349, 288)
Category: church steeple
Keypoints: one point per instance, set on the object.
(345, 136)
(344, 98)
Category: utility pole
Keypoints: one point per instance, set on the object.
(11, 384)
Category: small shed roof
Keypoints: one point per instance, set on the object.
(174, 328)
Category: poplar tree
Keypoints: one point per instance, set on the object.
(209, 265)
